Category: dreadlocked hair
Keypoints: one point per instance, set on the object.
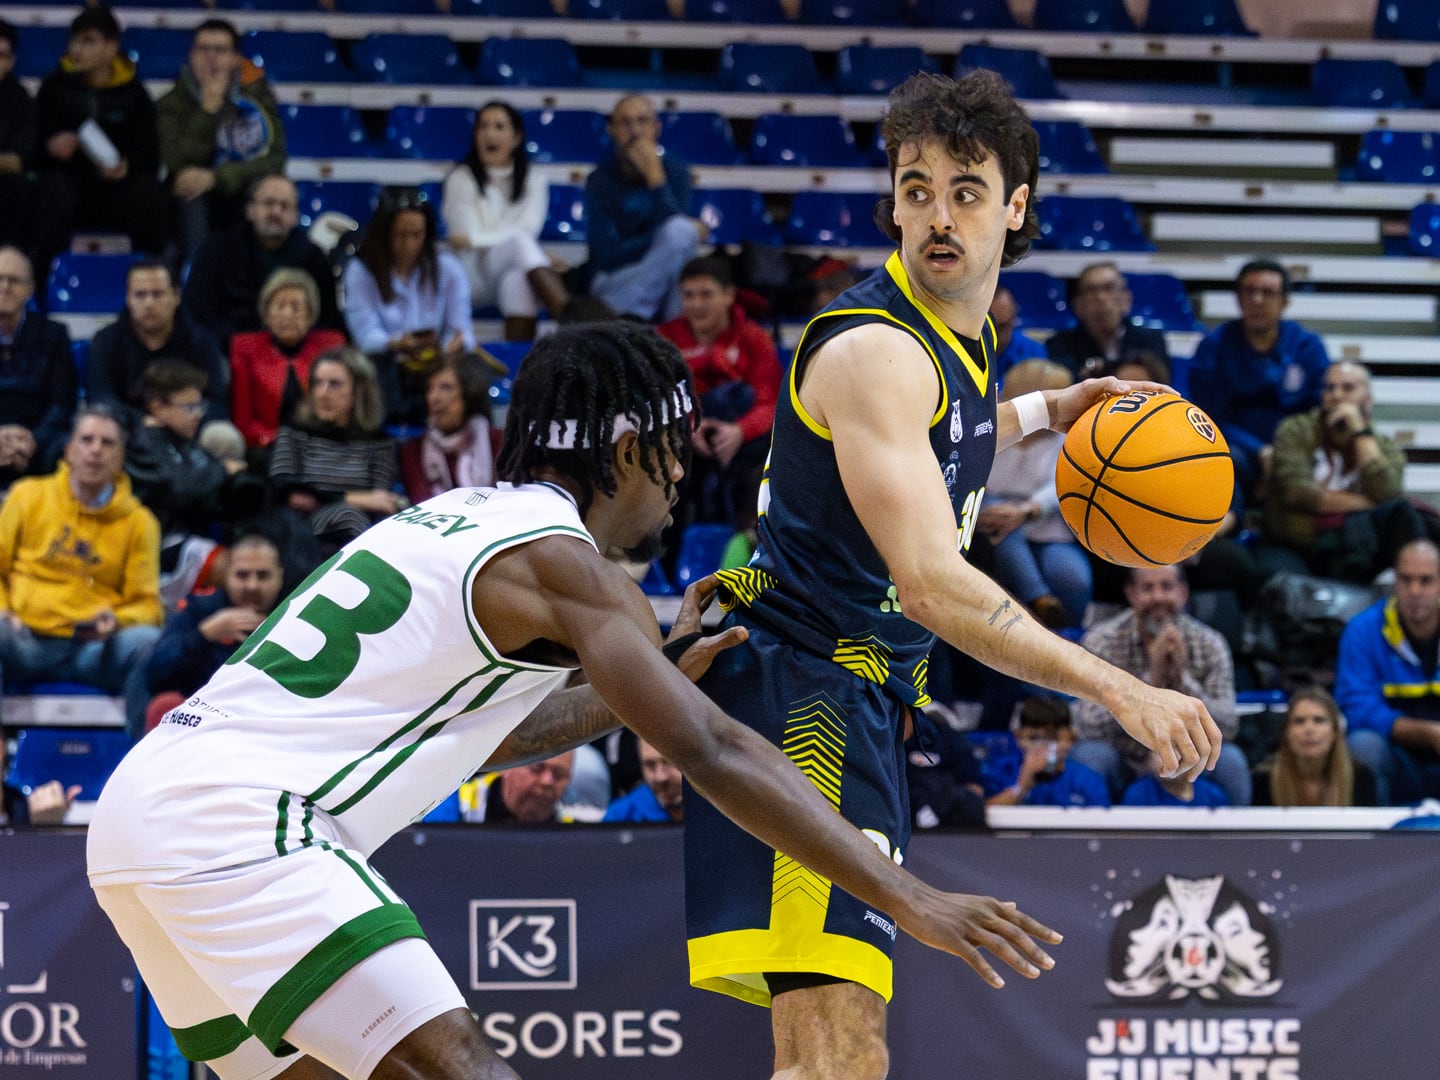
(588, 375)
(975, 117)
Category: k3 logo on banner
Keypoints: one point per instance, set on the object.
(522, 945)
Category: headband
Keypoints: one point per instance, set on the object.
(565, 434)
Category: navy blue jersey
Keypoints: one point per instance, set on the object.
(816, 579)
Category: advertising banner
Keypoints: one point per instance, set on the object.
(67, 985)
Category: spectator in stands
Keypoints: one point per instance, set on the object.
(525, 795)
(1011, 345)
(737, 375)
(152, 326)
(1335, 505)
(1103, 334)
(1036, 556)
(1312, 766)
(192, 493)
(330, 463)
(637, 207)
(220, 131)
(223, 288)
(44, 805)
(1252, 372)
(1047, 776)
(270, 368)
(659, 798)
(1155, 640)
(17, 146)
(494, 208)
(37, 376)
(407, 300)
(944, 775)
(1152, 789)
(1387, 682)
(99, 148)
(211, 623)
(79, 569)
(459, 446)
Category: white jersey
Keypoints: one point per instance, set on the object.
(367, 697)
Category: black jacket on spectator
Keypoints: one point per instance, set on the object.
(1074, 347)
(223, 288)
(16, 811)
(183, 659)
(185, 487)
(118, 358)
(123, 109)
(38, 388)
(17, 136)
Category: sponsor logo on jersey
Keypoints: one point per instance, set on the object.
(985, 427)
(957, 426)
(522, 945)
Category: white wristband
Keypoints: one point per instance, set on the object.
(1033, 412)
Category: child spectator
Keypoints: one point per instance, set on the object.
(1152, 789)
(1047, 778)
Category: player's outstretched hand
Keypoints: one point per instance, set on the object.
(1178, 728)
(702, 648)
(1070, 403)
(963, 925)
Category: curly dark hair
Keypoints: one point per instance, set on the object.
(588, 375)
(976, 117)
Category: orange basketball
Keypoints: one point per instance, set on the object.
(1144, 479)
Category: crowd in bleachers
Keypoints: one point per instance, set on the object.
(288, 362)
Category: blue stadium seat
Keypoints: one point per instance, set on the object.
(1424, 236)
(434, 133)
(355, 199)
(1407, 20)
(159, 52)
(1399, 157)
(324, 131)
(502, 9)
(769, 68)
(964, 14)
(1359, 84)
(1432, 85)
(1215, 18)
(853, 12)
(833, 219)
(386, 7)
(271, 5)
(566, 218)
(80, 353)
(734, 11)
(1026, 70)
(628, 10)
(655, 583)
(878, 69)
(701, 138)
(86, 283)
(70, 755)
(1066, 146)
(1085, 16)
(41, 48)
(296, 56)
(1160, 301)
(702, 548)
(735, 215)
(1098, 223)
(407, 58)
(821, 142)
(527, 62)
(1040, 298)
(511, 354)
(566, 135)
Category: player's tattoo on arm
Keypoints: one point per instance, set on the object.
(1000, 612)
(564, 720)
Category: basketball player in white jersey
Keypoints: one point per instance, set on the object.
(231, 847)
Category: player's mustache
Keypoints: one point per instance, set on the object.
(936, 240)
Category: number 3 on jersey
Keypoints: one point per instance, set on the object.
(387, 596)
(969, 515)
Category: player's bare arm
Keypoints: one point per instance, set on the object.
(879, 415)
(577, 715)
(597, 611)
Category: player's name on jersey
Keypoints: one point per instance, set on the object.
(444, 524)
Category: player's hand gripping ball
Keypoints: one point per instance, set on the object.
(1144, 479)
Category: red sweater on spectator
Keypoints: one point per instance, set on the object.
(744, 351)
(257, 379)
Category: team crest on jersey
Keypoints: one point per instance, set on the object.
(957, 426)
(951, 472)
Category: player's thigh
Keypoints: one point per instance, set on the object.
(829, 1032)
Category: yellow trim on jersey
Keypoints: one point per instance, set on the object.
(867, 657)
(981, 377)
(735, 962)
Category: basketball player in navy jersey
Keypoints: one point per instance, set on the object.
(878, 463)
